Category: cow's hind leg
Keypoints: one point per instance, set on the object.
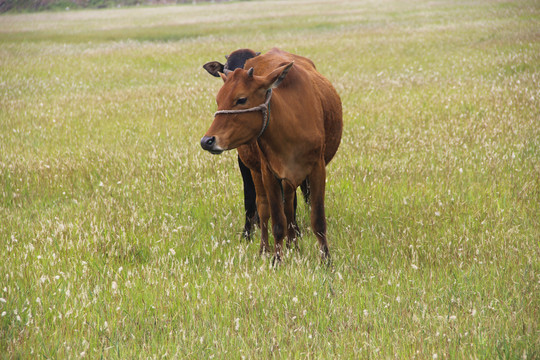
(317, 181)
(263, 209)
(293, 232)
(250, 195)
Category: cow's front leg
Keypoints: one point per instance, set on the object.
(250, 205)
(274, 193)
(317, 180)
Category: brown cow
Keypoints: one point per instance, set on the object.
(235, 60)
(297, 135)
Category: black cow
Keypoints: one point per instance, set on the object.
(235, 60)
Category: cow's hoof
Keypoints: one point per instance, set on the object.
(265, 250)
(276, 260)
(326, 260)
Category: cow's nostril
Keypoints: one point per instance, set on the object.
(207, 142)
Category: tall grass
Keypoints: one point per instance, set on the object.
(121, 238)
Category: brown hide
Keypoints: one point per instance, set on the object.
(302, 136)
(330, 101)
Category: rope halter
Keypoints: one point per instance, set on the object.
(264, 108)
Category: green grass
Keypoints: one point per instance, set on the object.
(120, 237)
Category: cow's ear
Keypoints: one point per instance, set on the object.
(275, 78)
(214, 68)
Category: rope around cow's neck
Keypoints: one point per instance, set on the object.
(264, 108)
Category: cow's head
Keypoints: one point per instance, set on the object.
(235, 60)
(241, 91)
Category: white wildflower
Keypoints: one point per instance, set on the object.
(414, 267)
(295, 299)
(172, 252)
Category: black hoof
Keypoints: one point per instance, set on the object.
(276, 260)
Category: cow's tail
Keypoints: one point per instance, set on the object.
(306, 190)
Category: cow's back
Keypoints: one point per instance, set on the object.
(265, 63)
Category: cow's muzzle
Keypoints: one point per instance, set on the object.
(208, 143)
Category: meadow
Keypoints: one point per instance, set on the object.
(121, 238)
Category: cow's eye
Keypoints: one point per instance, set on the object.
(241, 101)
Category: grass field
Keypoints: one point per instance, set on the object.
(121, 238)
